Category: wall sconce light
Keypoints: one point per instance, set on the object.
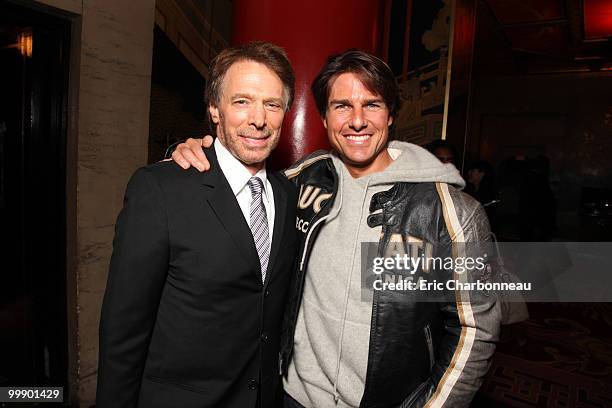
(25, 43)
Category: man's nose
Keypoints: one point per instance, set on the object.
(358, 120)
(257, 116)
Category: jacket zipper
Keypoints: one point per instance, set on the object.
(373, 321)
(312, 228)
(429, 341)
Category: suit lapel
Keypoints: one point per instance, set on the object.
(221, 199)
(280, 214)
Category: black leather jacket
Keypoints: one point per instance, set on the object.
(420, 353)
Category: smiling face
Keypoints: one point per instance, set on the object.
(250, 112)
(357, 123)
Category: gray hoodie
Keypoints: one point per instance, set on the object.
(333, 328)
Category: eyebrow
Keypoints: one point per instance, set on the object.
(249, 96)
(348, 102)
(242, 95)
(277, 100)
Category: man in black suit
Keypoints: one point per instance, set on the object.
(201, 261)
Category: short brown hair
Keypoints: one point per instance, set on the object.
(375, 75)
(265, 53)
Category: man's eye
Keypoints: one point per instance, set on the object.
(373, 106)
(240, 102)
(273, 105)
(340, 106)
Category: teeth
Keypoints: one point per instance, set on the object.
(358, 138)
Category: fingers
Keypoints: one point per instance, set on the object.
(195, 145)
(179, 157)
(207, 141)
(190, 157)
(201, 160)
(190, 153)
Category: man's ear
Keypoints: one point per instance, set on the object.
(214, 113)
(390, 121)
(324, 122)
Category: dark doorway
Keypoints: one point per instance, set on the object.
(33, 328)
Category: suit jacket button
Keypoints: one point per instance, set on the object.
(266, 293)
(253, 384)
(264, 337)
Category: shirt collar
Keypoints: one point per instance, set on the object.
(235, 172)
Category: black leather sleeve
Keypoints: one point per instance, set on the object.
(471, 323)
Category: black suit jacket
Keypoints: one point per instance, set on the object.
(186, 321)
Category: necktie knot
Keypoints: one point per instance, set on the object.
(256, 186)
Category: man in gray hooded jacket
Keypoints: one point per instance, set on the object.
(342, 348)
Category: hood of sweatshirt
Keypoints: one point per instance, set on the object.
(412, 164)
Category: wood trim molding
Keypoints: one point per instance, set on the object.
(193, 42)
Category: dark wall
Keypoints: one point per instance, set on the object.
(177, 98)
(566, 118)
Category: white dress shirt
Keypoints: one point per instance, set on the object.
(237, 176)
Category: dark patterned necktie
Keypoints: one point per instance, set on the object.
(259, 224)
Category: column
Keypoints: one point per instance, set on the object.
(309, 31)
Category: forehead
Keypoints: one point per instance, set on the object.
(349, 86)
(252, 77)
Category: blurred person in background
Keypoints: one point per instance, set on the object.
(445, 151)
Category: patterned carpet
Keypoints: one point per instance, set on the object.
(560, 357)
